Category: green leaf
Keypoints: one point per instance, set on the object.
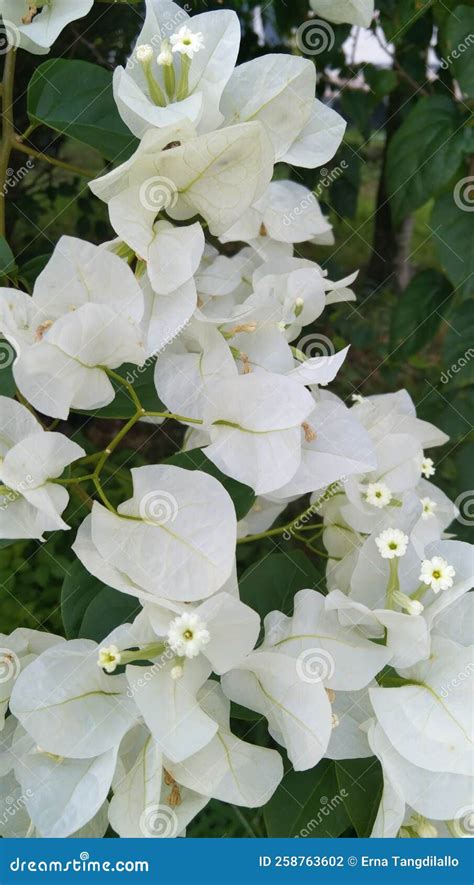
(90, 609)
(399, 16)
(424, 154)
(7, 261)
(307, 804)
(243, 496)
(460, 46)
(108, 610)
(7, 381)
(453, 233)
(272, 583)
(76, 99)
(458, 348)
(419, 312)
(360, 783)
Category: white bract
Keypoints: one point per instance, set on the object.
(31, 459)
(35, 26)
(356, 12)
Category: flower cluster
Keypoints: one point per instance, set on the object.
(135, 730)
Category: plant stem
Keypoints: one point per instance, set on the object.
(7, 128)
(61, 164)
(293, 526)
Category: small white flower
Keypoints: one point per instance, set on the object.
(357, 398)
(427, 467)
(411, 606)
(144, 53)
(165, 57)
(188, 635)
(378, 494)
(186, 42)
(392, 543)
(109, 658)
(437, 573)
(429, 507)
(177, 672)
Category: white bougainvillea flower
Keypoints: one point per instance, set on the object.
(298, 710)
(68, 705)
(392, 543)
(349, 740)
(438, 797)
(341, 657)
(83, 316)
(211, 44)
(378, 494)
(228, 768)
(287, 212)
(283, 101)
(190, 367)
(175, 539)
(437, 574)
(406, 635)
(222, 628)
(169, 706)
(335, 447)
(35, 26)
(148, 802)
(428, 721)
(355, 12)
(18, 650)
(217, 175)
(255, 425)
(31, 459)
(427, 467)
(459, 558)
(319, 139)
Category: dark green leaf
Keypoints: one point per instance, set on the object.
(307, 804)
(460, 46)
(424, 154)
(453, 233)
(75, 98)
(108, 610)
(272, 583)
(7, 381)
(7, 261)
(90, 609)
(242, 495)
(360, 783)
(78, 590)
(401, 15)
(419, 312)
(458, 348)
